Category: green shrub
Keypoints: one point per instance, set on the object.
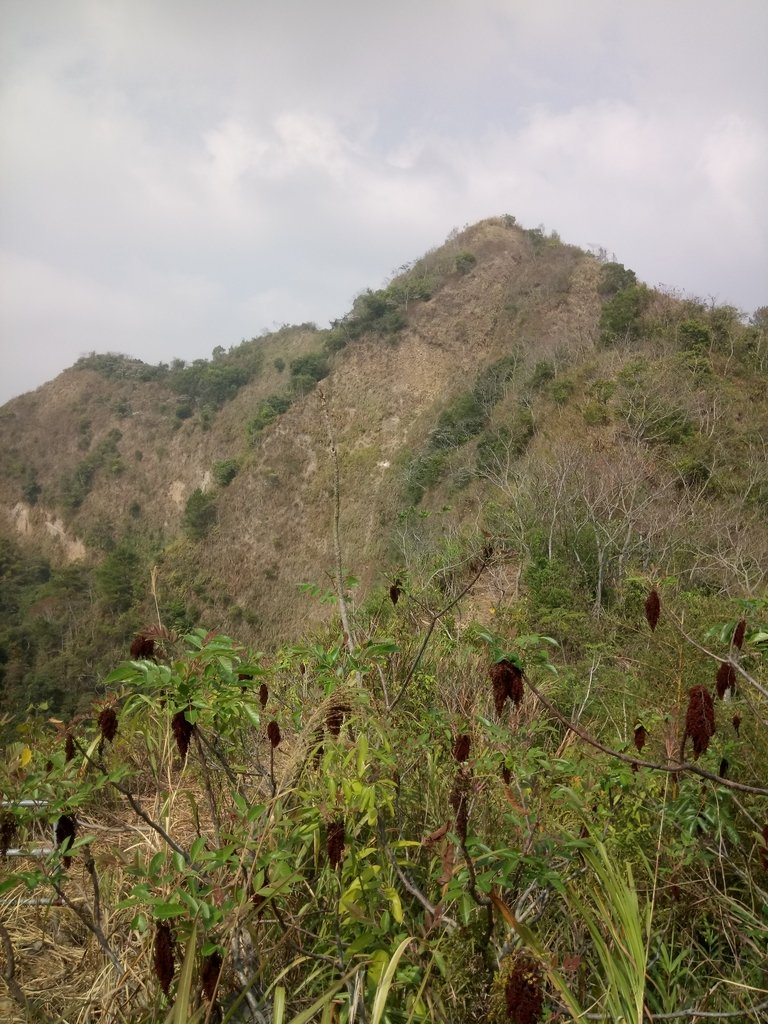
(543, 373)
(279, 364)
(199, 514)
(620, 317)
(225, 471)
(267, 411)
(561, 390)
(465, 262)
(463, 419)
(595, 414)
(313, 366)
(615, 277)
(118, 577)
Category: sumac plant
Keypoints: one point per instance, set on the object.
(440, 824)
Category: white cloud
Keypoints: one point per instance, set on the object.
(170, 172)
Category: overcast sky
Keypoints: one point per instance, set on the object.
(181, 174)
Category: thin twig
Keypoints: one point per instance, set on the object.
(91, 925)
(343, 611)
(9, 977)
(435, 619)
(137, 807)
(672, 769)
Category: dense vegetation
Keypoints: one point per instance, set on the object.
(459, 824)
(521, 780)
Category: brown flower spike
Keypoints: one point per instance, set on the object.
(641, 735)
(65, 829)
(736, 721)
(726, 679)
(143, 647)
(652, 608)
(263, 695)
(209, 974)
(460, 804)
(738, 633)
(461, 748)
(335, 842)
(699, 719)
(524, 992)
(108, 724)
(182, 731)
(273, 734)
(162, 955)
(507, 681)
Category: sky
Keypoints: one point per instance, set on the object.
(181, 174)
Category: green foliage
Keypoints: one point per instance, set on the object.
(313, 366)
(225, 471)
(543, 372)
(694, 336)
(498, 448)
(279, 364)
(464, 418)
(614, 278)
(465, 262)
(76, 486)
(118, 578)
(266, 412)
(620, 316)
(199, 514)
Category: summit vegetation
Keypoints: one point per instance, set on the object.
(412, 670)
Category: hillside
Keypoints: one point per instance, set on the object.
(408, 671)
(502, 381)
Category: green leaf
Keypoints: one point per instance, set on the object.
(385, 982)
(180, 1010)
(165, 911)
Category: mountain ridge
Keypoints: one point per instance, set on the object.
(489, 356)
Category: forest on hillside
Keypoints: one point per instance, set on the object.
(515, 771)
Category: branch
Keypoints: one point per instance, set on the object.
(411, 887)
(435, 619)
(672, 769)
(137, 807)
(9, 977)
(343, 611)
(723, 661)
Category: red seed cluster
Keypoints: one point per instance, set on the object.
(182, 731)
(700, 719)
(335, 718)
(210, 969)
(461, 748)
(69, 747)
(7, 831)
(736, 721)
(395, 592)
(273, 733)
(335, 842)
(652, 609)
(460, 804)
(506, 774)
(764, 849)
(65, 829)
(162, 956)
(507, 681)
(738, 633)
(524, 991)
(143, 646)
(641, 736)
(108, 724)
(726, 679)
(263, 695)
